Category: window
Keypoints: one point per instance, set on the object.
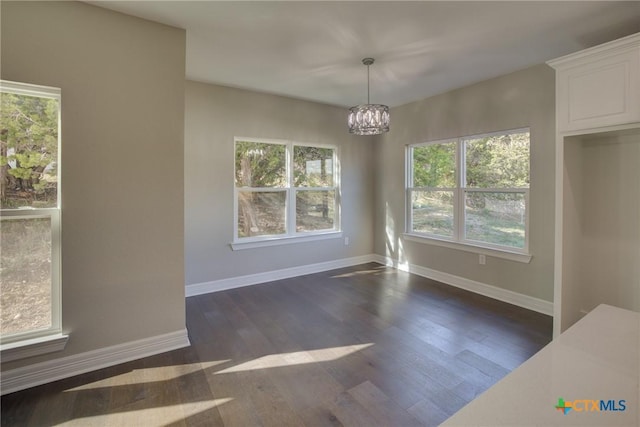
(29, 212)
(284, 189)
(472, 190)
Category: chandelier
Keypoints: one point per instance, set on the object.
(368, 119)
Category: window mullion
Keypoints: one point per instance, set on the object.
(459, 213)
(56, 270)
(290, 218)
(236, 212)
(409, 210)
(526, 219)
(408, 161)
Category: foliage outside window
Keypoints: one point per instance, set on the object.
(284, 189)
(472, 190)
(29, 211)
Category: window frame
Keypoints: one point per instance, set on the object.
(459, 239)
(291, 235)
(39, 341)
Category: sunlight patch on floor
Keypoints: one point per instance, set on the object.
(149, 417)
(296, 358)
(381, 270)
(148, 375)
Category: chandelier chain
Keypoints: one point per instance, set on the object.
(368, 102)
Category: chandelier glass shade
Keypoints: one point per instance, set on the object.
(368, 119)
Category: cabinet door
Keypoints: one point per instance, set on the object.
(598, 93)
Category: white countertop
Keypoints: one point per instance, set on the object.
(597, 359)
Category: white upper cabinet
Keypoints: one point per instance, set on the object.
(599, 87)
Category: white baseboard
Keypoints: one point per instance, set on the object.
(521, 300)
(269, 276)
(515, 298)
(65, 367)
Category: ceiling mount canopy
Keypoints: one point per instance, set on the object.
(368, 119)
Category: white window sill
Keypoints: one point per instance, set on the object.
(276, 241)
(497, 253)
(33, 347)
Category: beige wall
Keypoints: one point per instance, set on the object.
(214, 115)
(122, 82)
(522, 99)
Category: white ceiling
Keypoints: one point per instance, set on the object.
(313, 50)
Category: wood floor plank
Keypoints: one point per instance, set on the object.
(320, 416)
(302, 382)
(50, 409)
(381, 407)
(18, 410)
(279, 340)
(236, 407)
(271, 406)
(89, 402)
(428, 413)
(364, 345)
(194, 391)
(351, 413)
(484, 365)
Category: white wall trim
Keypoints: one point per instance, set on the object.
(467, 247)
(33, 347)
(56, 369)
(286, 240)
(269, 276)
(505, 295)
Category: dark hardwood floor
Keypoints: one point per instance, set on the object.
(365, 345)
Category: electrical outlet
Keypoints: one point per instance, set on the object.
(482, 259)
(346, 241)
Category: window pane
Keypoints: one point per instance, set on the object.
(25, 274)
(434, 165)
(313, 166)
(29, 151)
(260, 164)
(315, 210)
(432, 212)
(497, 218)
(500, 161)
(261, 213)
